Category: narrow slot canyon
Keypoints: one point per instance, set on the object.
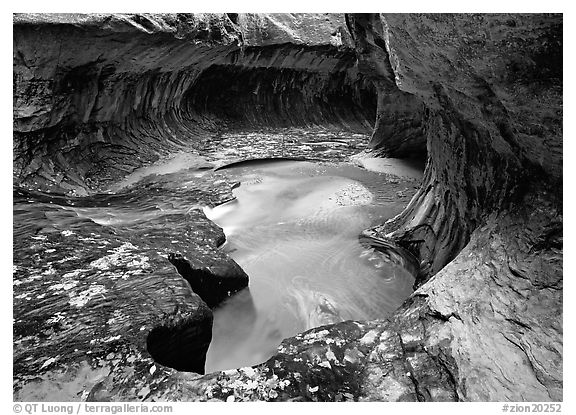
(287, 207)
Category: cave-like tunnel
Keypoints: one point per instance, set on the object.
(444, 133)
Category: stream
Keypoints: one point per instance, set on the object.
(293, 227)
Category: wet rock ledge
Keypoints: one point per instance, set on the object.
(478, 97)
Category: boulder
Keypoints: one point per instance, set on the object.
(213, 286)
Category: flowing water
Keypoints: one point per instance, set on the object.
(293, 228)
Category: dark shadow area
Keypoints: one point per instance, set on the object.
(182, 341)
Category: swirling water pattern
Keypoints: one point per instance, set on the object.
(294, 228)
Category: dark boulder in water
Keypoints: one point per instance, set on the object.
(212, 285)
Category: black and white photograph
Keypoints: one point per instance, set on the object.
(286, 207)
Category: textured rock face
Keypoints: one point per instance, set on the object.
(491, 86)
(83, 107)
(478, 96)
(95, 307)
(86, 112)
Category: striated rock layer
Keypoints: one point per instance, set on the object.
(95, 96)
(478, 96)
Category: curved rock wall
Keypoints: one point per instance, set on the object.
(97, 95)
(482, 96)
(283, 97)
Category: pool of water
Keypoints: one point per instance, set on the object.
(294, 228)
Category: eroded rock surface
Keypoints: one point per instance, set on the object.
(482, 97)
(86, 296)
(86, 113)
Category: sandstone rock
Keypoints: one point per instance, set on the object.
(182, 342)
(86, 114)
(90, 300)
(212, 285)
(465, 105)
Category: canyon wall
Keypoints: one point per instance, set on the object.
(482, 96)
(95, 96)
